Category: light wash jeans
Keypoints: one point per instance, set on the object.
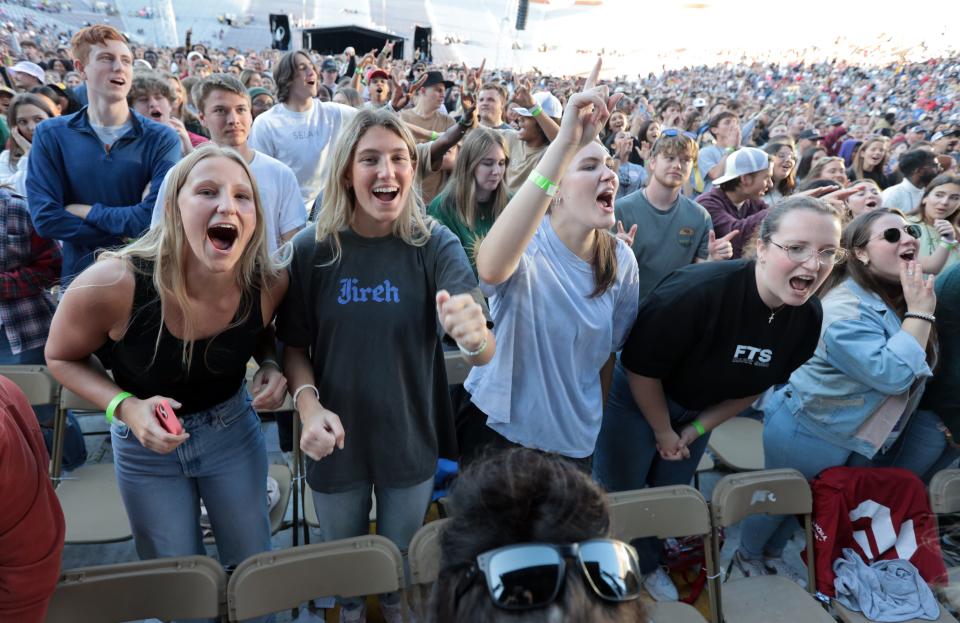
(921, 448)
(400, 513)
(626, 456)
(224, 462)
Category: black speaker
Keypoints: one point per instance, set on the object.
(422, 38)
(522, 14)
(280, 32)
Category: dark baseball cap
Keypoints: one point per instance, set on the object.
(810, 134)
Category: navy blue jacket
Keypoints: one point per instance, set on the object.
(69, 164)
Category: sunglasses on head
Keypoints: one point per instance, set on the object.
(676, 132)
(893, 234)
(526, 576)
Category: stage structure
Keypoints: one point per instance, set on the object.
(333, 40)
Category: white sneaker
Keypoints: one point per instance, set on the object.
(660, 586)
(778, 566)
(358, 615)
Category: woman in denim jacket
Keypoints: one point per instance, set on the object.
(851, 403)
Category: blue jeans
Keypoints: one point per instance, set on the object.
(224, 462)
(626, 456)
(920, 448)
(400, 513)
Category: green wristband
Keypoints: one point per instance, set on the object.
(112, 407)
(434, 136)
(697, 426)
(536, 110)
(544, 183)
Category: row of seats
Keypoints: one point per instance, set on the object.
(275, 581)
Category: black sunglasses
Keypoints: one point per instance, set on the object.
(526, 576)
(893, 234)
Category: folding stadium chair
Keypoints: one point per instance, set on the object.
(166, 588)
(281, 580)
(945, 500)
(423, 556)
(90, 498)
(769, 598)
(738, 444)
(457, 367)
(41, 389)
(663, 512)
(944, 495)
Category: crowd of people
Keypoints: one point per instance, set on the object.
(626, 264)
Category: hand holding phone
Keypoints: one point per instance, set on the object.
(168, 419)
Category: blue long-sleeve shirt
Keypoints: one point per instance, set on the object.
(69, 164)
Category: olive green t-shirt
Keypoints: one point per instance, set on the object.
(443, 209)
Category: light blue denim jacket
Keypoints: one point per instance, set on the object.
(863, 357)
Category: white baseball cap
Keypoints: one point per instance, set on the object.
(744, 161)
(550, 105)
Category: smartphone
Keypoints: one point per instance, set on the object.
(168, 419)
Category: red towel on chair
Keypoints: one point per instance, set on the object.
(882, 513)
(31, 521)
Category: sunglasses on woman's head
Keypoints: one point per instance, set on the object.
(892, 235)
(526, 576)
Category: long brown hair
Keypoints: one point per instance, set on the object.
(941, 180)
(24, 99)
(856, 235)
(460, 193)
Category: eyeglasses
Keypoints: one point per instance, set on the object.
(529, 575)
(800, 253)
(893, 234)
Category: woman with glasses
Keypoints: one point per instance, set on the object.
(938, 219)
(707, 342)
(784, 176)
(528, 542)
(851, 403)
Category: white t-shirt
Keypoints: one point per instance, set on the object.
(14, 176)
(903, 196)
(542, 387)
(302, 141)
(279, 196)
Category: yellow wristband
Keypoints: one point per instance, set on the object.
(544, 183)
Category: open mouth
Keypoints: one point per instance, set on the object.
(118, 82)
(801, 283)
(871, 204)
(156, 114)
(386, 194)
(605, 201)
(222, 236)
(908, 256)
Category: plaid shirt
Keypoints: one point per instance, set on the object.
(29, 265)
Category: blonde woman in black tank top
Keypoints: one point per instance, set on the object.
(180, 312)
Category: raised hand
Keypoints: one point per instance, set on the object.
(462, 319)
(945, 229)
(721, 248)
(522, 95)
(917, 290)
(400, 95)
(627, 236)
(469, 105)
(585, 115)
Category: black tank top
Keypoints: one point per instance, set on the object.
(219, 363)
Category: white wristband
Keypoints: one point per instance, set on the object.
(473, 353)
(271, 362)
(296, 394)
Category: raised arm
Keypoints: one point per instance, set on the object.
(500, 252)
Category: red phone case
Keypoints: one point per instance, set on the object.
(168, 419)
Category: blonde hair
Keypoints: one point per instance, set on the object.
(861, 153)
(340, 202)
(167, 248)
(460, 194)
